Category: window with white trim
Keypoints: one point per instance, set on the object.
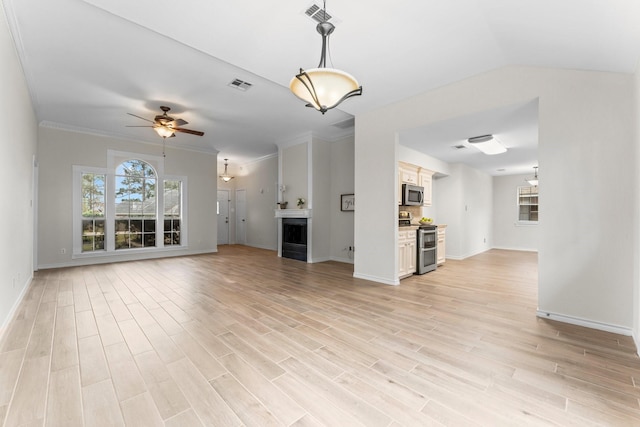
(528, 204)
(136, 207)
(128, 206)
(93, 211)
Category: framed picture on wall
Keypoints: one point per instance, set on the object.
(347, 202)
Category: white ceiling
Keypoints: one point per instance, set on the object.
(90, 62)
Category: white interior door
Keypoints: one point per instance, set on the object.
(241, 217)
(223, 217)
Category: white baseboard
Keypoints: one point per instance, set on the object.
(376, 279)
(14, 308)
(125, 257)
(345, 260)
(269, 248)
(621, 330)
(505, 248)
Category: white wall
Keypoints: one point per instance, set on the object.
(295, 172)
(464, 202)
(342, 161)
(586, 125)
(321, 193)
(60, 150)
(18, 143)
(635, 189)
(507, 233)
(260, 180)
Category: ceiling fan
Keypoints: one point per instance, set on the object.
(166, 126)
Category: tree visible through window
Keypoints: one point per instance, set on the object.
(172, 212)
(93, 211)
(135, 205)
(528, 204)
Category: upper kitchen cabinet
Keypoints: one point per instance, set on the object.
(425, 177)
(415, 175)
(408, 173)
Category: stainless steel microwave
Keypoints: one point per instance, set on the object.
(412, 195)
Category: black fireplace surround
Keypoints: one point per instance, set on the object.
(294, 238)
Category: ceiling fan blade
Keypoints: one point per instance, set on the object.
(146, 120)
(179, 122)
(192, 132)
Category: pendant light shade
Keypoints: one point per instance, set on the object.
(225, 176)
(324, 88)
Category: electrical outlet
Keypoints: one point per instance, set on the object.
(63, 251)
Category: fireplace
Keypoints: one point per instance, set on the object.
(294, 238)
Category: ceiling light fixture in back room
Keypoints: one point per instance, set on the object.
(488, 144)
(324, 88)
(225, 176)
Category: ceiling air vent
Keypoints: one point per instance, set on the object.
(316, 13)
(240, 85)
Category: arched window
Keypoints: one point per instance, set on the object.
(129, 206)
(136, 207)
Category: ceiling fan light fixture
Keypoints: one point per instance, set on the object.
(488, 144)
(164, 131)
(324, 88)
(225, 176)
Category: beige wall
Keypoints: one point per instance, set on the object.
(18, 148)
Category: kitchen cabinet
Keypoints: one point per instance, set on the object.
(441, 244)
(407, 252)
(415, 175)
(425, 178)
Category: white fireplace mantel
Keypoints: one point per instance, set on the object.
(293, 213)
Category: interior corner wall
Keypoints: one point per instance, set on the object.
(59, 150)
(636, 214)
(260, 180)
(507, 232)
(18, 145)
(342, 161)
(586, 127)
(321, 194)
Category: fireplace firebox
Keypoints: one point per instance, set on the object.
(294, 238)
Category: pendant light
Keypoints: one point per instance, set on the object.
(225, 176)
(534, 180)
(324, 88)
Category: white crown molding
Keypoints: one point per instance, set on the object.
(115, 135)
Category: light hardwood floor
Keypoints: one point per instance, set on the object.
(245, 338)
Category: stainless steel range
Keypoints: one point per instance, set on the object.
(427, 248)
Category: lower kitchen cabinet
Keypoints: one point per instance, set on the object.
(406, 252)
(441, 244)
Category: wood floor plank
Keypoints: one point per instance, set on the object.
(93, 363)
(29, 398)
(166, 394)
(140, 411)
(65, 343)
(64, 405)
(100, 405)
(204, 400)
(281, 405)
(125, 376)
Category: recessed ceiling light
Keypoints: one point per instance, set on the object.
(488, 144)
